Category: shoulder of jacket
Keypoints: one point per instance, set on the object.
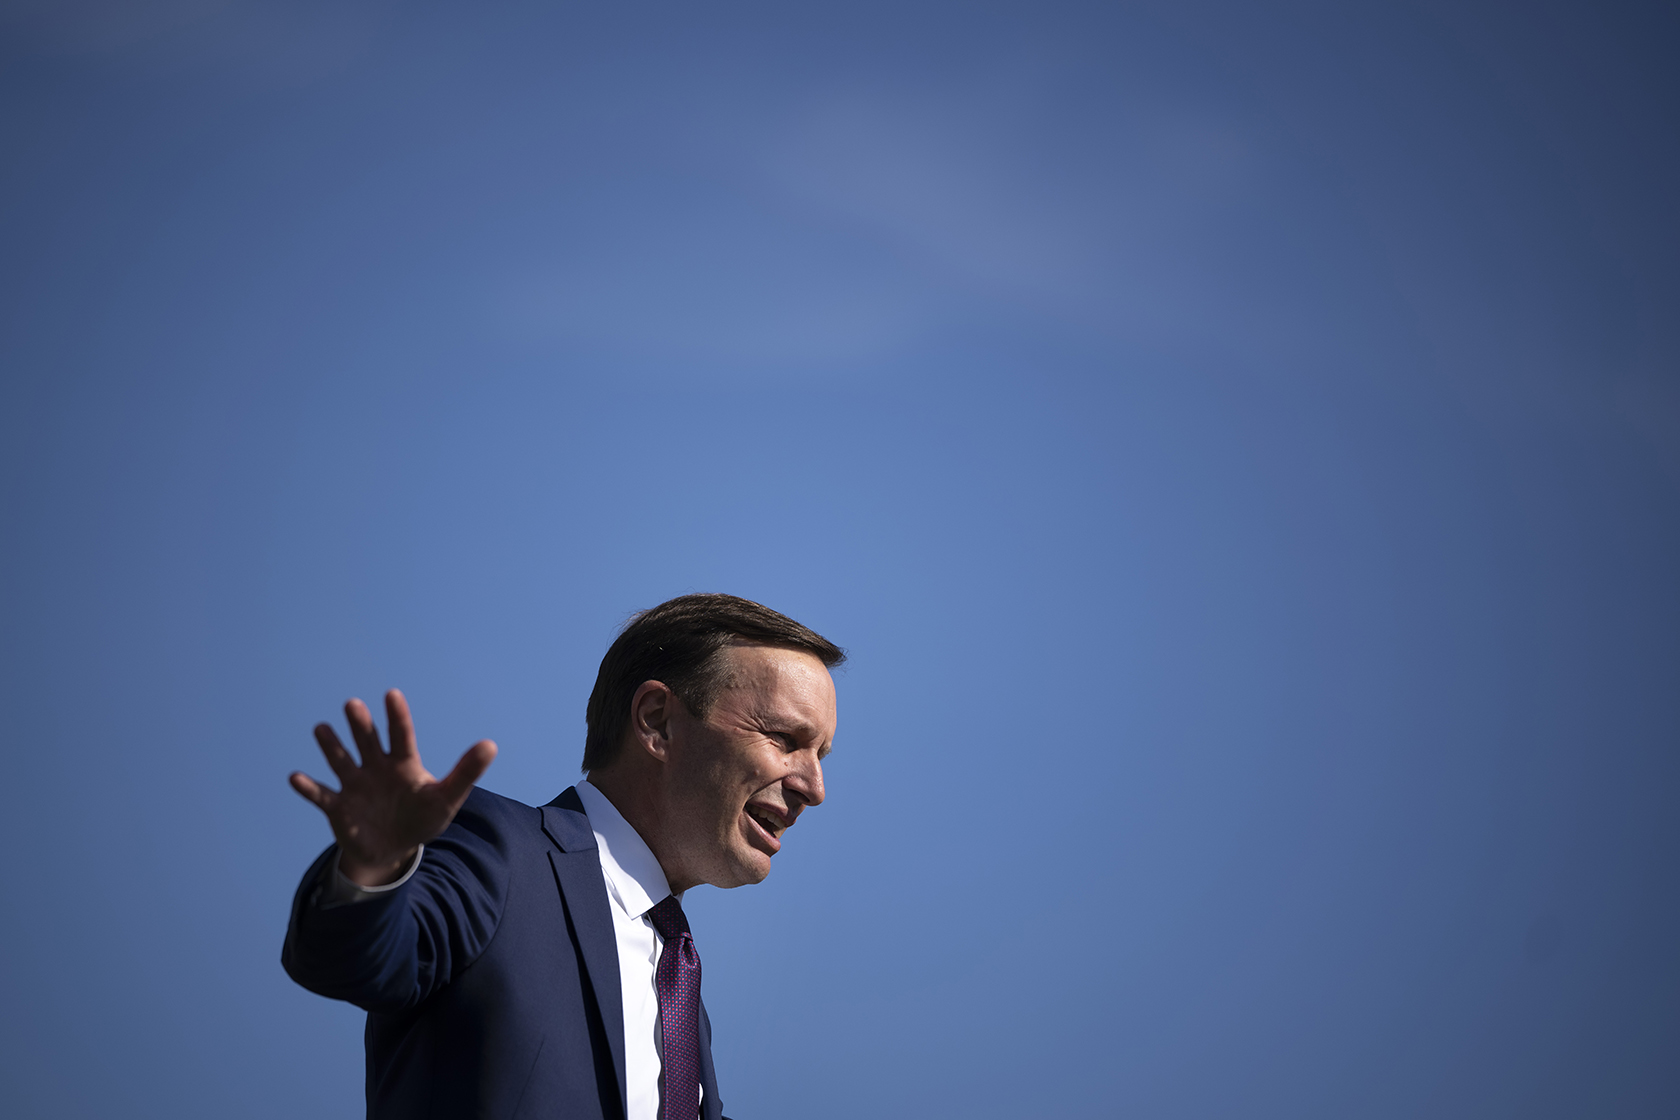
(490, 814)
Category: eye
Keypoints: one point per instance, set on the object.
(788, 741)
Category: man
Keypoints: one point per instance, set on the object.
(536, 962)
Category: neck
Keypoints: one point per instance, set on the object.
(636, 797)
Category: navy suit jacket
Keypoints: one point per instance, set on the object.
(490, 978)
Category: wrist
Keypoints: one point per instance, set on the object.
(375, 873)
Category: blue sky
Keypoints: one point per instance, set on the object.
(1239, 446)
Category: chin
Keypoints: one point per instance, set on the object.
(747, 872)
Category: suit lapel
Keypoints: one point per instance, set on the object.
(577, 868)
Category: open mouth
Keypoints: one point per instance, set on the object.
(769, 822)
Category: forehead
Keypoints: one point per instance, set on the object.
(787, 683)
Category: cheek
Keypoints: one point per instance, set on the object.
(746, 770)
(732, 774)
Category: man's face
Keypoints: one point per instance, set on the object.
(738, 779)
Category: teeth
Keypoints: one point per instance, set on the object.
(765, 821)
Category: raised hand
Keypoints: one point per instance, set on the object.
(389, 805)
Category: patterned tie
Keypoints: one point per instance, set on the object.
(677, 980)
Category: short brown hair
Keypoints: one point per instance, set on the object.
(680, 644)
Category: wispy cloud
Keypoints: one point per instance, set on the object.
(1117, 224)
(868, 217)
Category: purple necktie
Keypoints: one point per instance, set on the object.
(677, 980)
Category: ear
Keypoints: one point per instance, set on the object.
(651, 709)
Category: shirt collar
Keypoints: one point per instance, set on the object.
(636, 880)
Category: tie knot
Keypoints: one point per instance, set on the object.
(668, 918)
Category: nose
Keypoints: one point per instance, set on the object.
(805, 782)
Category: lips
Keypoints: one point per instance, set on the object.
(769, 822)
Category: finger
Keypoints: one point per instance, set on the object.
(337, 757)
(312, 791)
(400, 725)
(367, 735)
(459, 781)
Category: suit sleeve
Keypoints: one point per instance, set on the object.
(392, 952)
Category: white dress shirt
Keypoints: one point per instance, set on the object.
(635, 882)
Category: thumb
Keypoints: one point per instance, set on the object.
(471, 767)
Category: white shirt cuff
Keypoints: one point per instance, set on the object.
(339, 891)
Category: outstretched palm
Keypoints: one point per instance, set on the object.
(389, 805)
